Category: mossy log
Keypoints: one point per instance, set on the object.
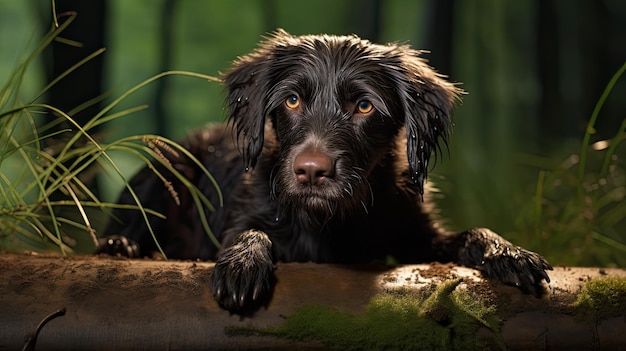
(114, 303)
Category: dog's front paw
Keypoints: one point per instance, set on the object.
(118, 245)
(242, 277)
(510, 264)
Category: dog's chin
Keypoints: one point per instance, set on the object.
(312, 199)
(322, 202)
(316, 204)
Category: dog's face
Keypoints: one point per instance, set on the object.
(339, 107)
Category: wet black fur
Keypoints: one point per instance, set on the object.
(375, 205)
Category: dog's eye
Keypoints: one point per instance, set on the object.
(292, 102)
(364, 106)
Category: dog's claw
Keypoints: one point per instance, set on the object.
(235, 300)
(218, 294)
(545, 276)
(516, 281)
(242, 300)
(255, 293)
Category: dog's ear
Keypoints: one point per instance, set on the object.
(427, 100)
(246, 83)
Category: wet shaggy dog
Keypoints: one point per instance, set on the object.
(324, 159)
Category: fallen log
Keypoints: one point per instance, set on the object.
(112, 303)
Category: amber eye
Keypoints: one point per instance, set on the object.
(292, 102)
(364, 106)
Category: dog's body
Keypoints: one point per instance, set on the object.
(326, 163)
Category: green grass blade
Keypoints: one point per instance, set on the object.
(618, 138)
(590, 127)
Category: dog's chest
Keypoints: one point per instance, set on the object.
(361, 238)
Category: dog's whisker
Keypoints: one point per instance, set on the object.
(273, 182)
(348, 191)
(364, 207)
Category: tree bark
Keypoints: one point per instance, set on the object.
(144, 304)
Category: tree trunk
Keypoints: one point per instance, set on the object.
(143, 304)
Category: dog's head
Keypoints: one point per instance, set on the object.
(339, 106)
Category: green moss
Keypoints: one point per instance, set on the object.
(438, 317)
(601, 298)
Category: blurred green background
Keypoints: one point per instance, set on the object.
(533, 70)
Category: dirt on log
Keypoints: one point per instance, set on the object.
(118, 304)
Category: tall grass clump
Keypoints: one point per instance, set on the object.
(578, 215)
(46, 202)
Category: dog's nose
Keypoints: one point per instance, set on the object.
(313, 167)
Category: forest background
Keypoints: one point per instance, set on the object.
(534, 71)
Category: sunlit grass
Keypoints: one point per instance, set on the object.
(46, 202)
(578, 216)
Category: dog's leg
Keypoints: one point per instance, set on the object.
(498, 258)
(243, 273)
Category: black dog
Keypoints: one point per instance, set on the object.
(324, 160)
